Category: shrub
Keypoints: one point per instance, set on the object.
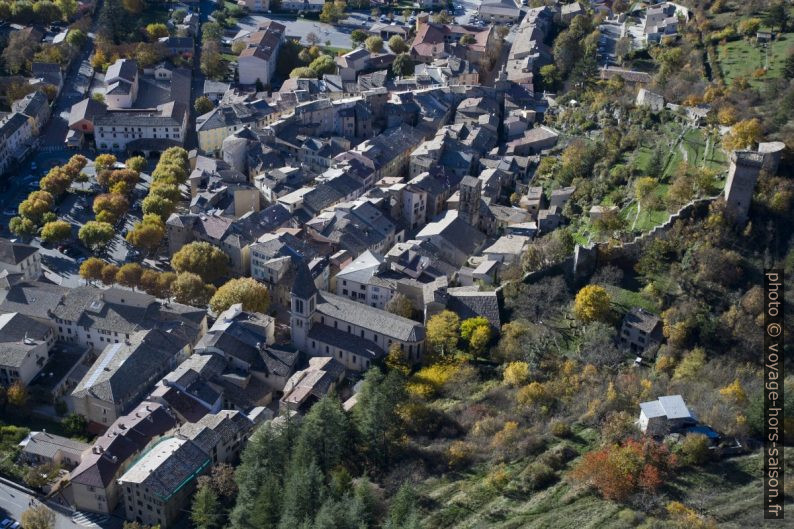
(516, 373)
(695, 449)
(618, 471)
(560, 429)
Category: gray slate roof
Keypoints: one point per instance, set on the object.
(122, 368)
(370, 318)
(14, 253)
(469, 303)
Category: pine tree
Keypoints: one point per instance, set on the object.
(402, 511)
(304, 492)
(375, 415)
(324, 436)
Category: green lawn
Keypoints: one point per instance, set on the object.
(330, 50)
(729, 491)
(742, 57)
(623, 299)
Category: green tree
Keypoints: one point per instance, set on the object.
(403, 65)
(22, 227)
(374, 44)
(303, 491)
(203, 105)
(201, 258)
(324, 436)
(358, 36)
(212, 64)
(95, 234)
(75, 424)
(550, 76)
(68, 8)
(397, 45)
(189, 289)
(253, 295)
(56, 231)
(777, 15)
(324, 64)
(375, 415)
(76, 38)
(442, 331)
(644, 189)
(403, 509)
(205, 510)
(303, 72)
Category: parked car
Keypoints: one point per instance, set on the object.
(5, 524)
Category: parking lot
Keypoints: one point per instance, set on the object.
(62, 262)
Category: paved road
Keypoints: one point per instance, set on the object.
(13, 502)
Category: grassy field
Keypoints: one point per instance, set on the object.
(729, 491)
(740, 58)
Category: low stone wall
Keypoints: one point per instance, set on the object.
(585, 260)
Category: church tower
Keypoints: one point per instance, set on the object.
(303, 303)
(469, 204)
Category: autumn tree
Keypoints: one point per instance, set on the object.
(516, 373)
(203, 259)
(592, 303)
(96, 234)
(38, 517)
(442, 331)
(36, 205)
(129, 275)
(91, 269)
(148, 233)
(400, 305)
(253, 295)
(56, 181)
(617, 471)
(17, 394)
(189, 289)
(22, 227)
(743, 135)
(104, 162)
(157, 30)
(110, 207)
(136, 163)
(157, 205)
(56, 231)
